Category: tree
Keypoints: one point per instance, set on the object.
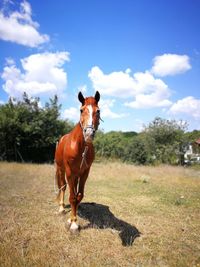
(164, 139)
(135, 151)
(192, 136)
(113, 144)
(29, 132)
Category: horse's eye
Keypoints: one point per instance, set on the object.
(81, 110)
(98, 111)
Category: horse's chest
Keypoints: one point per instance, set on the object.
(81, 160)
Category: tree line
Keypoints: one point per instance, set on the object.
(29, 132)
(162, 141)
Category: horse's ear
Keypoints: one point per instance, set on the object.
(81, 98)
(97, 96)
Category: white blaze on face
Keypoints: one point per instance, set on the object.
(90, 115)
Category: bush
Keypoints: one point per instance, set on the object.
(29, 132)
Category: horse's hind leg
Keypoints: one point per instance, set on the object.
(60, 175)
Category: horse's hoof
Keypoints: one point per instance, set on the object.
(74, 227)
(61, 210)
(69, 221)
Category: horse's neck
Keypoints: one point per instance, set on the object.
(77, 135)
(78, 138)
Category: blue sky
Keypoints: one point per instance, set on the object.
(143, 56)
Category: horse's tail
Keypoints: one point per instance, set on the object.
(57, 144)
(56, 174)
(56, 186)
(56, 178)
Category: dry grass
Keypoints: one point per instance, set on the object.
(121, 201)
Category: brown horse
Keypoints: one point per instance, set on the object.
(74, 156)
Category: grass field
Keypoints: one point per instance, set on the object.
(130, 216)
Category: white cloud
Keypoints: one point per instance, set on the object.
(105, 106)
(148, 101)
(9, 61)
(106, 112)
(188, 106)
(18, 27)
(146, 90)
(117, 84)
(41, 74)
(71, 114)
(82, 88)
(150, 92)
(170, 64)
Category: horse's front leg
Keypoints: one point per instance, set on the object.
(76, 197)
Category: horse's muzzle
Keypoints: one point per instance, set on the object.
(89, 133)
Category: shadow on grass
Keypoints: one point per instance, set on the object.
(99, 216)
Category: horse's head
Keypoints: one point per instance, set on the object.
(90, 115)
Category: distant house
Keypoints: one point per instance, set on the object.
(192, 151)
(198, 142)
